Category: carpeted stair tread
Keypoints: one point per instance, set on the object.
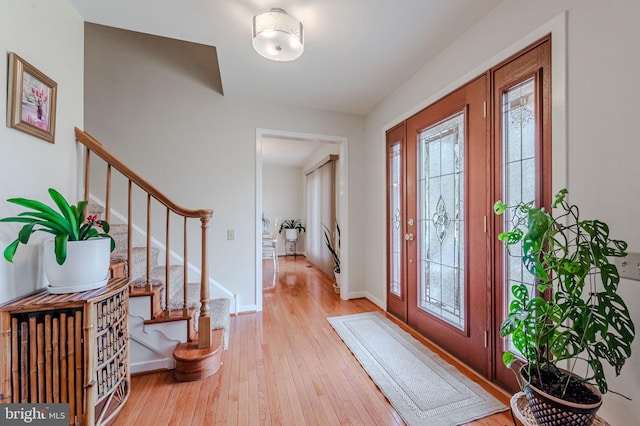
(218, 309)
(93, 209)
(137, 267)
(119, 233)
(193, 297)
(176, 273)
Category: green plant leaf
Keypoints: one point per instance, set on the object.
(81, 211)
(60, 248)
(499, 207)
(25, 233)
(559, 198)
(67, 212)
(508, 358)
(10, 251)
(610, 278)
(520, 292)
(39, 207)
(53, 219)
(47, 221)
(598, 374)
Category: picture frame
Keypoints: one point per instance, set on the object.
(31, 99)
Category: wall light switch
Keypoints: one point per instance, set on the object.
(629, 266)
(231, 234)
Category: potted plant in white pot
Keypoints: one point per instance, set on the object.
(292, 227)
(573, 314)
(78, 257)
(335, 253)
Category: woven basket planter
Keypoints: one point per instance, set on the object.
(551, 411)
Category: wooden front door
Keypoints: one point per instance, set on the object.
(442, 240)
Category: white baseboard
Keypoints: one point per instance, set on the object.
(153, 365)
(369, 296)
(247, 308)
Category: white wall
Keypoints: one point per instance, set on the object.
(199, 148)
(283, 195)
(603, 69)
(49, 35)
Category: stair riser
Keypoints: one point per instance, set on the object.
(149, 350)
(141, 306)
(175, 330)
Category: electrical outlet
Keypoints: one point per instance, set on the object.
(629, 266)
(231, 234)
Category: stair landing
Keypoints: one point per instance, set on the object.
(193, 363)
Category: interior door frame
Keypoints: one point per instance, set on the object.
(342, 207)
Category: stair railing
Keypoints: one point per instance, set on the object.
(112, 162)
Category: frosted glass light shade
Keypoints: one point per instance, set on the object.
(277, 35)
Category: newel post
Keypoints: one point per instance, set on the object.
(204, 321)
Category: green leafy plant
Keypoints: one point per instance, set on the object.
(292, 224)
(69, 224)
(574, 311)
(335, 250)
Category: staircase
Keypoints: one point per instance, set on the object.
(156, 335)
(173, 324)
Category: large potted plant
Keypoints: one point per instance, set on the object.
(572, 314)
(335, 253)
(78, 257)
(292, 227)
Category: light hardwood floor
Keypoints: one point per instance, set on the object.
(284, 366)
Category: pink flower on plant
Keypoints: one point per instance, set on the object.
(93, 219)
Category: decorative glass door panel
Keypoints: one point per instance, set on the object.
(395, 239)
(522, 151)
(519, 174)
(396, 223)
(441, 220)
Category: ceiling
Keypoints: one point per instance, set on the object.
(356, 51)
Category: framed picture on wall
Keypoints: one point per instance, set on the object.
(31, 99)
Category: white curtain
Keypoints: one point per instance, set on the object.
(320, 211)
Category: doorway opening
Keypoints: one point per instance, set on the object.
(280, 155)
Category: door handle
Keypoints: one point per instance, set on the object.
(408, 236)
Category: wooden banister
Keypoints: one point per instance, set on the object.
(95, 147)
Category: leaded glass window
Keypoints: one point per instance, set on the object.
(519, 166)
(395, 198)
(441, 220)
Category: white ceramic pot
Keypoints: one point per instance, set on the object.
(338, 283)
(291, 234)
(86, 266)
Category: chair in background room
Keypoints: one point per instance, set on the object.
(270, 244)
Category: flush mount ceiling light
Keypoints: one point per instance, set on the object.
(277, 35)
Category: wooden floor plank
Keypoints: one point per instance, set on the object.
(285, 366)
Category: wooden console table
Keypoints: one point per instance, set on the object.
(68, 348)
